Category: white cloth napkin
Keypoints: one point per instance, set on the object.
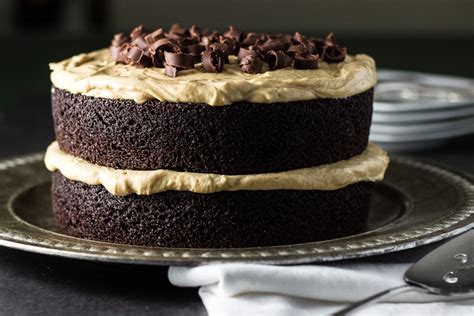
(255, 289)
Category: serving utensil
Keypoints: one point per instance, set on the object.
(447, 270)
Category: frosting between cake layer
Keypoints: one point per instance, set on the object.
(369, 166)
(95, 74)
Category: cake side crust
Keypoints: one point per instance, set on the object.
(243, 138)
(218, 220)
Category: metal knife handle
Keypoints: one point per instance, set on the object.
(373, 299)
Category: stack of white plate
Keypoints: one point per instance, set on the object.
(415, 111)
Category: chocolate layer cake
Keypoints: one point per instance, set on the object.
(191, 138)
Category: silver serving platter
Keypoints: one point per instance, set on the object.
(418, 203)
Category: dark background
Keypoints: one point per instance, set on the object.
(432, 36)
(426, 35)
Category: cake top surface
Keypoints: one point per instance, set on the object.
(216, 69)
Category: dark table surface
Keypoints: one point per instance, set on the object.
(39, 284)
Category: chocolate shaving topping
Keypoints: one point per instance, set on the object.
(181, 48)
(232, 45)
(136, 56)
(223, 49)
(310, 46)
(117, 45)
(119, 39)
(334, 54)
(171, 71)
(179, 60)
(273, 44)
(195, 31)
(330, 39)
(319, 45)
(177, 32)
(196, 50)
(154, 36)
(136, 32)
(251, 39)
(158, 48)
(308, 61)
(212, 61)
(252, 50)
(140, 42)
(298, 49)
(208, 40)
(278, 59)
(234, 34)
(251, 64)
(164, 44)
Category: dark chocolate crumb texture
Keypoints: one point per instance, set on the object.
(217, 220)
(239, 139)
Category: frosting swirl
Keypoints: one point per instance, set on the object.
(368, 166)
(96, 74)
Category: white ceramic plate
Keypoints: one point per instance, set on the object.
(439, 135)
(414, 91)
(446, 127)
(422, 116)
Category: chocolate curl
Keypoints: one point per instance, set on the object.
(303, 41)
(234, 34)
(330, 40)
(272, 44)
(196, 50)
(154, 36)
(137, 31)
(319, 45)
(299, 38)
(179, 60)
(177, 32)
(251, 64)
(222, 48)
(232, 45)
(208, 32)
(185, 42)
(297, 49)
(284, 38)
(195, 31)
(117, 45)
(334, 54)
(136, 56)
(278, 59)
(208, 40)
(251, 51)
(250, 39)
(119, 39)
(164, 44)
(140, 42)
(122, 56)
(212, 61)
(158, 48)
(308, 61)
(171, 71)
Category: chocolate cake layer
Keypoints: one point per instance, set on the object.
(241, 138)
(217, 220)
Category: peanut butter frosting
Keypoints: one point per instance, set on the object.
(369, 166)
(96, 74)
